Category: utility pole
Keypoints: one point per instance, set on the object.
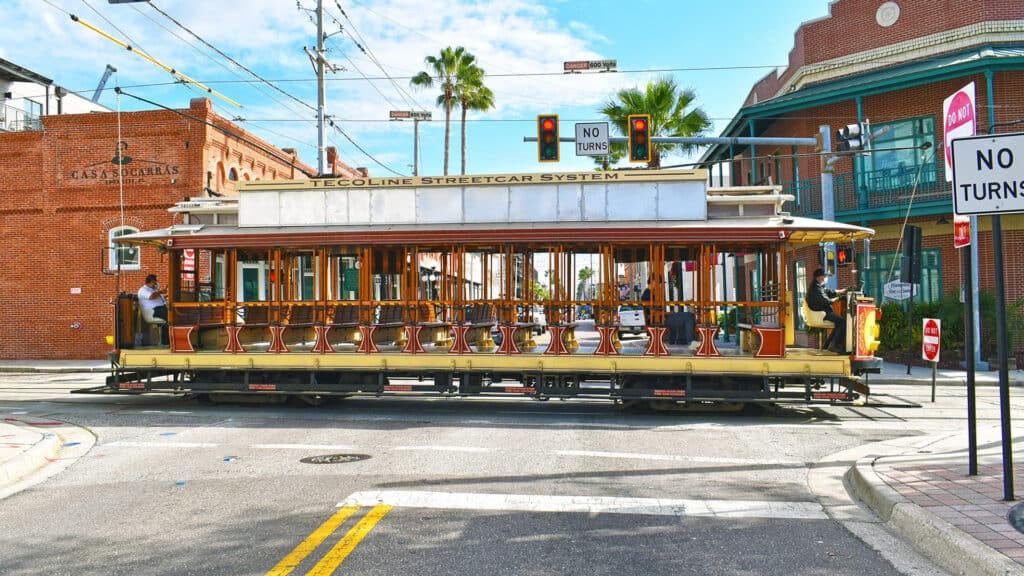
(320, 89)
(320, 65)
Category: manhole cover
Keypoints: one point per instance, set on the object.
(1016, 517)
(334, 458)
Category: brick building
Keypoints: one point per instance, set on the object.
(888, 65)
(73, 182)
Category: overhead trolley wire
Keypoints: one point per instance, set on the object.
(227, 57)
(270, 151)
(365, 49)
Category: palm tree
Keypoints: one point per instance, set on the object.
(585, 274)
(472, 95)
(667, 105)
(447, 70)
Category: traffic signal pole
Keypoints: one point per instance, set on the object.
(828, 205)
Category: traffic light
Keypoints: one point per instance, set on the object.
(547, 138)
(844, 255)
(639, 137)
(850, 138)
(910, 260)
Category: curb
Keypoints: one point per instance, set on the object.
(52, 369)
(947, 545)
(25, 464)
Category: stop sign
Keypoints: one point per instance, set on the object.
(930, 339)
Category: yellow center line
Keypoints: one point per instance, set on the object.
(348, 542)
(286, 565)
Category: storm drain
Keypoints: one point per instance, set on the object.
(334, 458)
(1016, 517)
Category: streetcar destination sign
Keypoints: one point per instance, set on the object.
(988, 174)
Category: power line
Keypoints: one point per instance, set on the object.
(362, 45)
(368, 155)
(227, 57)
(508, 75)
(231, 133)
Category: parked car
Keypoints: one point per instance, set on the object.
(631, 319)
(540, 321)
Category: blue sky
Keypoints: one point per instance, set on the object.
(719, 49)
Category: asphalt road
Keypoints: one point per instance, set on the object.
(447, 486)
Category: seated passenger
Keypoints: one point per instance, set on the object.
(819, 299)
(154, 305)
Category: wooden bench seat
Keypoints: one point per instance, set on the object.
(344, 324)
(299, 322)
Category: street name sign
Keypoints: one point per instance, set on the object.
(930, 336)
(592, 139)
(988, 174)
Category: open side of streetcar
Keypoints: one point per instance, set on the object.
(435, 286)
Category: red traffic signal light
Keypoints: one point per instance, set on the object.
(844, 256)
(639, 137)
(547, 138)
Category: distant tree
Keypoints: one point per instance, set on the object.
(585, 274)
(539, 291)
(472, 95)
(447, 69)
(671, 115)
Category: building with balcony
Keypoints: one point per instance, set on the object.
(887, 65)
(28, 96)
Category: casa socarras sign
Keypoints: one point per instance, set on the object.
(122, 168)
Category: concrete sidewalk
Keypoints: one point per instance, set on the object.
(34, 448)
(27, 366)
(921, 488)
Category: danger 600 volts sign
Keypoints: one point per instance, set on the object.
(988, 174)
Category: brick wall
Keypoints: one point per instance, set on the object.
(62, 195)
(851, 28)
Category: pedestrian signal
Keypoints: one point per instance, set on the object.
(547, 138)
(844, 256)
(639, 137)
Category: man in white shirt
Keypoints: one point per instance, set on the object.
(151, 297)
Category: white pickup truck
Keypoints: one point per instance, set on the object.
(631, 319)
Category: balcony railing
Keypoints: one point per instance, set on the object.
(873, 193)
(16, 120)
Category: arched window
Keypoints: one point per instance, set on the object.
(121, 256)
(233, 175)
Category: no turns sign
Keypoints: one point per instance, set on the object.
(930, 339)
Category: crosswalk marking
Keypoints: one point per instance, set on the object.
(672, 457)
(589, 504)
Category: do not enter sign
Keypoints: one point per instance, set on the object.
(930, 339)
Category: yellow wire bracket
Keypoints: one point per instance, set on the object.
(154, 61)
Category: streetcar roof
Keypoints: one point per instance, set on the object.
(796, 230)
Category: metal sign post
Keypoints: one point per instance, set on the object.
(416, 116)
(931, 331)
(984, 168)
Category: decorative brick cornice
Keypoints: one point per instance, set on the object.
(980, 34)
